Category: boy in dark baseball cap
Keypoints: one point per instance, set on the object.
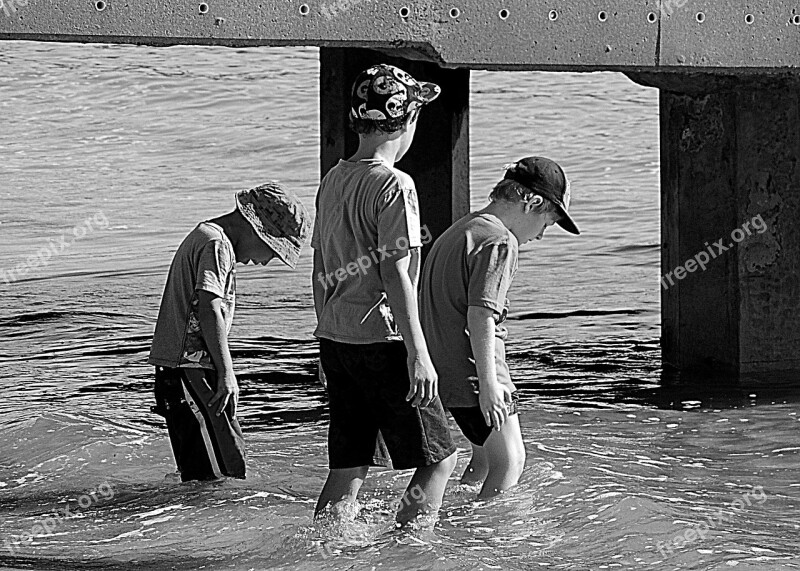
(463, 305)
(366, 240)
(195, 386)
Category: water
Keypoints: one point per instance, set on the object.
(112, 154)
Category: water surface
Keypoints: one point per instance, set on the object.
(151, 141)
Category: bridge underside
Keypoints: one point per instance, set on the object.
(730, 121)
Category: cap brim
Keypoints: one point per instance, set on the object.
(566, 221)
(427, 92)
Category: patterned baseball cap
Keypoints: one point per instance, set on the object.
(387, 93)
(278, 218)
(548, 179)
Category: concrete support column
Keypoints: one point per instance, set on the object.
(730, 195)
(438, 161)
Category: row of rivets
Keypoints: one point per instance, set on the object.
(405, 13)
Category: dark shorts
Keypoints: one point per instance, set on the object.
(206, 446)
(471, 422)
(367, 387)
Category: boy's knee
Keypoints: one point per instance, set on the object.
(448, 464)
(348, 474)
(518, 460)
(509, 457)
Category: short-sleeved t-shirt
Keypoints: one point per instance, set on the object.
(205, 261)
(471, 264)
(367, 211)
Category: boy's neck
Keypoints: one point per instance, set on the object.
(501, 210)
(377, 147)
(232, 224)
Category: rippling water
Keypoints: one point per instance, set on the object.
(113, 153)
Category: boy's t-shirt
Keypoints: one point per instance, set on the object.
(471, 264)
(366, 212)
(205, 260)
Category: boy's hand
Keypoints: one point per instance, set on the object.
(493, 400)
(424, 380)
(227, 391)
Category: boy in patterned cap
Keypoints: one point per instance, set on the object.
(366, 240)
(196, 389)
(463, 305)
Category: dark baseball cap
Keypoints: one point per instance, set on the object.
(545, 178)
(385, 93)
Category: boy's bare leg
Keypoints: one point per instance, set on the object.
(505, 452)
(478, 466)
(342, 485)
(425, 490)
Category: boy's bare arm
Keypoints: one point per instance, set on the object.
(397, 281)
(318, 288)
(492, 394)
(212, 324)
(317, 284)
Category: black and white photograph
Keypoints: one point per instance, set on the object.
(383, 285)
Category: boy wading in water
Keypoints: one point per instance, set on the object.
(196, 389)
(463, 304)
(366, 242)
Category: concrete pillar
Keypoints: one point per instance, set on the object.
(730, 192)
(438, 160)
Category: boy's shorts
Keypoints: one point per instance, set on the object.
(206, 446)
(472, 423)
(367, 387)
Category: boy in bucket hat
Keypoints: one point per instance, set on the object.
(463, 305)
(367, 238)
(195, 387)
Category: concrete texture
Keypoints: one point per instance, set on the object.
(730, 175)
(621, 35)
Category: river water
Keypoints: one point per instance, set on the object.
(110, 154)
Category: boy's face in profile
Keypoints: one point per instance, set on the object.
(537, 221)
(408, 131)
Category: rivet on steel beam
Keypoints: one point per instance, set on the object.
(602, 16)
(304, 9)
(749, 19)
(404, 12)
(99, 5)
(553, 15)
(504, 14)
(651, 17)
(701, 17)
(455, 12)
(796, 20)
(203, 8)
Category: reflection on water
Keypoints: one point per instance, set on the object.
(622, 457)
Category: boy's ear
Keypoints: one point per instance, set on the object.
(534, 201)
